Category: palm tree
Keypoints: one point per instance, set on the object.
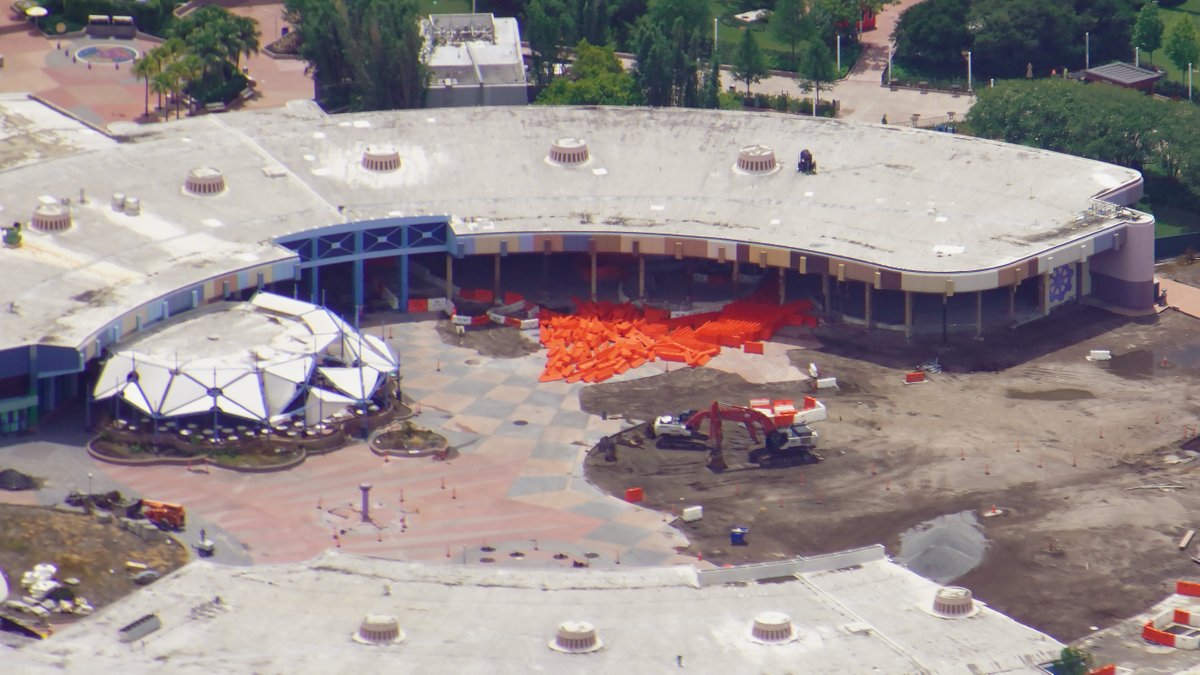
(145, 69)
(246, 36)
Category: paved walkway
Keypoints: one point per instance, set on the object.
(1181, 296)
(862, 97)
(105, 94)
(516, 486)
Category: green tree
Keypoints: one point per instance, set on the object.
(1071, 661)
(145, 69)
(816, 70)
(710, 96)
(597, 78)
(749, 64)
(789, 24)
(1182, 46)
(548, 28)
(1012, 33)
(363, 54)
(1148, 29)
(669, 43)
(931, 36)
(849, 12)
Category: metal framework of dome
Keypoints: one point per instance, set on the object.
(379, 629)
(204, 180)
(953, 601)
(772, 628)
(569, 151)
(757, 159)
(381, 158)
(576, 637)
(51, 217)
(280, 379)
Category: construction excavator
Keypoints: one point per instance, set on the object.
(790, 442)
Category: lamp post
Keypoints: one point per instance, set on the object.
(967, 54)
(839, 54)
(1087, 49)
(891, 49)
(89, 482)
(1189, 82)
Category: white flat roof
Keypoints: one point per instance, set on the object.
(863, 617)
(891, 196)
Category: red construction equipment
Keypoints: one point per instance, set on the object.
(165, 515)
(780, 439)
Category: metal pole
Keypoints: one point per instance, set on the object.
(1189, 82)
(714, 38)
(891, 48)
(839, 54)
(969, 72)
(1137, 57)
(1087, 50)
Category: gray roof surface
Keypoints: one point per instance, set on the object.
(849, 618)
(1124, 73)
(886, 195)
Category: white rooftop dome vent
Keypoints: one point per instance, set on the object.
(953, 601)
(204, 180)
(51, 217)
(772, 628)
(757, 159)
(381, 158)
(569, 151)
(576, 637)
(379, 629)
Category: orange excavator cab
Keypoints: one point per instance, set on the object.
(164, 514)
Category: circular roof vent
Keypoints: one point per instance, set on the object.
(569, 151)
(381, 158)
(772, 628)
(576, 637)
(51, 217)
(379, 629)
(204, 181)
(757, 159)
(953, 601)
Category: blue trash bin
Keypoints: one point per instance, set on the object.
(737, 536)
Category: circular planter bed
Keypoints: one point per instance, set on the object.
(408, 440)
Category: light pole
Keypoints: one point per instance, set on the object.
(1087, 49)
(714, 38)
(891, 48)
(1137, 57)
(89, 482)
(967, 54)
(1189, 82)
(839, 54)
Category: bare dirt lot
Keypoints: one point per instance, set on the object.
(93, 552)
(1020, 420)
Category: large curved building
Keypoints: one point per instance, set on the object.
(899, 228)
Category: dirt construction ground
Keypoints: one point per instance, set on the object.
(80, 547)
(1020, 421)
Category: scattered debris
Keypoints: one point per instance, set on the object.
(933, 366)
(1099, 355)
(1162, 487)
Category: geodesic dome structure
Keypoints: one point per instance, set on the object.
(267, 369)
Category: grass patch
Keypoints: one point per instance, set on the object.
(1170, 16)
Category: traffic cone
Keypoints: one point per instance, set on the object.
(1073, 463)
(987, 469)
(379, 534)
(872, 468)
(699, 556)
(453, 493)
(447, 551)
(962, 455)
(1018, 446)
(887, 485)
(401, 495)
(318, 503)
(1040, 466)
(443, 483)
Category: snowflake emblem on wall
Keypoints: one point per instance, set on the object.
(1061, 282)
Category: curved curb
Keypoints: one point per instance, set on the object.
(205, 460)
(439, 452)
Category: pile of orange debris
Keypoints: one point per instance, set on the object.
(602, 339)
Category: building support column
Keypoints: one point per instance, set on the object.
(908, 315)
(867, 303)
(545, 275)
(1043, 294)
(690, 272)
(641, 277)
(825, 294)
(496, 278)
(945, 318)
(1012, 303)
(358, 289)
(782, 285)
(978, 314)
(449, 277)
(592, 255)
(737, 282)
(404, 287)
(1083, 280)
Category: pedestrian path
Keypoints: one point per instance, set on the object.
(513, 493)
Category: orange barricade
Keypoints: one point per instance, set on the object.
(914, 377)
(634, 495)
(1189, 588)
